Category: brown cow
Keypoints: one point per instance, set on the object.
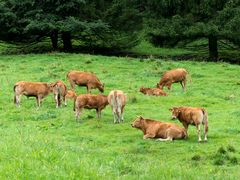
(90, 101)
(174, 76)
(71, 95)
(60, 92)
(193, 116)
(152, 91)
(31, 89)
(117, 100)
(160, 130)
(87, 79)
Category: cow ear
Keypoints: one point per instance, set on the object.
(170, 109)
(140, 117)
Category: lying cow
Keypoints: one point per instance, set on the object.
(87, 79)
(90, 101)
(60, 92)
(159, 130)
(152, 91)
(193, 116)
(174, 76)
(31, 89)
(117, 100)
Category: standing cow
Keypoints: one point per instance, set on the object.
(117, 100)
(174, 76)
(31, 89)
(87, 79)
(90, 101)
(193, 116)
(60, 92)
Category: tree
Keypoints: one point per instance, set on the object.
(96, 23)
(191, 19)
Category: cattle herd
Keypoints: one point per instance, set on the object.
(161, 131)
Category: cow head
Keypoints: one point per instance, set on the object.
(71, 94)
(51, 86)
(101, 87)
(137, 123)
(175, 112)
(141, 89)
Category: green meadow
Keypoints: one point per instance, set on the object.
(48, 143)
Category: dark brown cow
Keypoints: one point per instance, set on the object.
(117, 100)
(193, 116)
(160, 130)
(153, 91)
(90, 101)
(60, 92)
(31, 89)
(174, 76)
(87, 79)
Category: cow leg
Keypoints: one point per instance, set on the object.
(98, 113)
(199, 133)
(56, 100)
(65, 100)
(169, 86)
(167, 139)
(88, 89)
(77, 114)
(38, 98)
(17, 100)
(72, 83)
(186, 128)
(184, 85)
(205, 132)
(148, 136)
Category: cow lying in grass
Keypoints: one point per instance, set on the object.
(117, 100)
(152, 91)
(90, 101)
(60, 92)
(31, 89)
(193, 116)
(174, 76)
(159, 130)
(87, 79)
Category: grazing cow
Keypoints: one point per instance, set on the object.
(90, 101)
(117, 100)
(193, 116)
(60, 92)
(87, 79)
(71, 95)
(160, 130)
(31, 89)
(174, 76)
(152, 91)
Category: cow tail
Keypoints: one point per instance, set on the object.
(205, 119)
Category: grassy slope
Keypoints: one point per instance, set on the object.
(48, 143)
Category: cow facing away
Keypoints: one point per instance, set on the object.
(152, 91)
(159, 130)
(193, 116)
(174, 76)
(60, 92)
(117, 100)
(90, 101)
(31, 89)
(87, 79)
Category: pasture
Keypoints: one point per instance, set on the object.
(49, 144)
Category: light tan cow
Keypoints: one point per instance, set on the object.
(117, 100)
(60, 92)
(87, 79)
(153, 91)
(161, 131)
(31, 89)
(174, 76)
(192, 116)
(90, 101)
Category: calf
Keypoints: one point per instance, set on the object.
(117, 100)
(160, 130)
(31, 89)
(60, 92)
(152, 91)
(90, 101)
(87, 79)
(174, 76)
(193, 116)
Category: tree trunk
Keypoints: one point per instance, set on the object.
(213, 48)
(67, 44)
(54, 39)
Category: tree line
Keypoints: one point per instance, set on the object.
(115, 24)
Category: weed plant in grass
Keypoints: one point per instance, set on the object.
(49, 144)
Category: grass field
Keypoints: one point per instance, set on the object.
(49, 144)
